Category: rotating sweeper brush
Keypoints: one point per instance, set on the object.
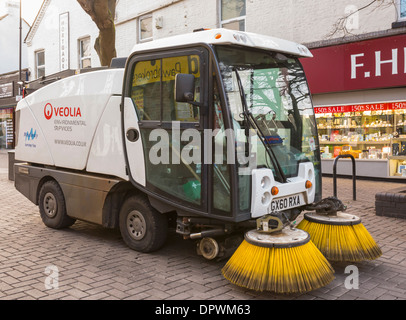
(339, 236)
(281, 259)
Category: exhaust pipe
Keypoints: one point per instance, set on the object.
(207, 233)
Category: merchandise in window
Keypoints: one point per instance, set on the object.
(366, 134)
(6, 128)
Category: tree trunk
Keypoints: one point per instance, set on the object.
(102, 13)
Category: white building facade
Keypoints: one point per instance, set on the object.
(63, 35)
(9, 37)
(357, 76)
(61, 38)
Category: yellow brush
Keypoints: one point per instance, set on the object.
(340, 237)
(282, 262)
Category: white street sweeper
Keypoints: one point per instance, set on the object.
(212, 133)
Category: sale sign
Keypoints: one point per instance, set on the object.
(362, 107)
(368, 64)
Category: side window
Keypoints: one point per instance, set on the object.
(146, 89)
(153, 88)
(179, 111)
(173, 158)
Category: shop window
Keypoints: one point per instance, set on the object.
(145, 27)
(40, 63)
(6, 128)
(232, 14)
(85, 60)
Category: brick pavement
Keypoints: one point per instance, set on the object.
(94, 263)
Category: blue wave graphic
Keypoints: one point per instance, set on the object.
(30, 135)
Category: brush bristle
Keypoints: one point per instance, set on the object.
(342, 242)
(281, 270)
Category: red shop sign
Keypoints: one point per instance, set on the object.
(362, 107)
(369, 64)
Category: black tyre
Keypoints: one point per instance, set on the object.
(142, 227)
(52, 206)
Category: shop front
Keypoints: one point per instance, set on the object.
(7, 106)
(9, 96)
(374, 134)
(6, 128)
(359, 94)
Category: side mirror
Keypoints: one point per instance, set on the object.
(184, 87)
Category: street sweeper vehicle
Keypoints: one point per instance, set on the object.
(212, 133)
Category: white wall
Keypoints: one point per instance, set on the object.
(178, 16)
(302, 21)
(307, 21)
(46, 36)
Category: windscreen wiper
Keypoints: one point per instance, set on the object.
(280, 176)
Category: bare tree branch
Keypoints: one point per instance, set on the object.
(102, 13)
(341, 25)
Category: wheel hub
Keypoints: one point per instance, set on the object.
(209, 248)
(50, 205)
(136, 225)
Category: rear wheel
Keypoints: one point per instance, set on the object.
(142, 227)
(52, 206)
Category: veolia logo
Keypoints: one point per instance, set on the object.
(48, 111)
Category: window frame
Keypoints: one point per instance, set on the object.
(80, 52)
(207, 119)
(198, 50)
(140, 19)
(204, 53)
(235, 19)
(399, 4)
(38, 66)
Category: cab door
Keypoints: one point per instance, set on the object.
(163, 137)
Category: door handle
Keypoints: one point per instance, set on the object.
(132, 135)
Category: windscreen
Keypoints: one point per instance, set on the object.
(277, 98)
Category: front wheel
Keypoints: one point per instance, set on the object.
(52, 206)
(142, 227)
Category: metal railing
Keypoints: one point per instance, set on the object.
(354, 195)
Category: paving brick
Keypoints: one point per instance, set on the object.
(94, 263)
(35, 293)
(76, 293)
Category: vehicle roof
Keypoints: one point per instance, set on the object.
(226, 37)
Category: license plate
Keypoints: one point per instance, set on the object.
(284, 203)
